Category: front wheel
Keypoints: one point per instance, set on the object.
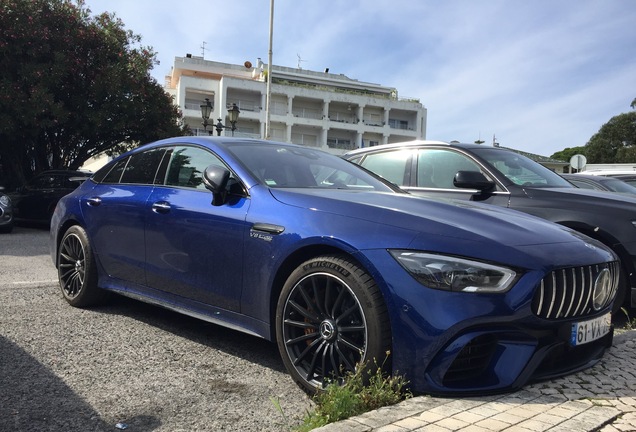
(330, 318)
(77, 271)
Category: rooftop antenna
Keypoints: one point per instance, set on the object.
(203, 49)
(299, 61)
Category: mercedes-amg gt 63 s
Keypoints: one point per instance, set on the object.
(336, 266)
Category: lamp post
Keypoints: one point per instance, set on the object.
(206, 110)
(233, 114)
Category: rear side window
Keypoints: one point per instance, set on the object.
(138, 168)
(583, 185)
(142, 167)
(46, 181)
(111, 173)
(394, 166)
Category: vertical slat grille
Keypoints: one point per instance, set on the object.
(567, 293)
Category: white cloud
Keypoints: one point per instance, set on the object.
(541, 75)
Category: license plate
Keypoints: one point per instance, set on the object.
(588, 331)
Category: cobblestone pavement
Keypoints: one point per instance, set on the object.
(602, 398)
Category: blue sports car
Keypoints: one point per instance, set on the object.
(337, 266)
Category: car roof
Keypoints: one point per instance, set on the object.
(605, 172)
(220, 142)
(416, 143)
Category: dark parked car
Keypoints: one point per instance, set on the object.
(505, 178)
(337, 266)
(630, 179)
(35, 201)
(6, 212)
(602, 183)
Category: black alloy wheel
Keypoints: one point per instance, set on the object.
(331, 317)
(76, 269)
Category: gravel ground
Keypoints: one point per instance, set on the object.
(126, 363)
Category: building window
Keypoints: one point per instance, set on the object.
(373, 119)
(305, 139)
(194, 100)
(340, 143)
(398, 124)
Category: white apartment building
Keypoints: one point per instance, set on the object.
(317, 109)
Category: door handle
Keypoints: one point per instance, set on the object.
(94, 201)
(268, 228)
(161, 207)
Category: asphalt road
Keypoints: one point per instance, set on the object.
(126, 364)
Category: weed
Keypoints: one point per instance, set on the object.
(630, 323)
(276, 403)
(360, 391)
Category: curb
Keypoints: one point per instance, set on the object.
(587, 401)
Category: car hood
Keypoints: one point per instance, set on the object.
(448, 218)
(585, 197)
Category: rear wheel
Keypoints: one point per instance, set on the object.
(77, 272)
(330, 317)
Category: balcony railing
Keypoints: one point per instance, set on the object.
(308, 113)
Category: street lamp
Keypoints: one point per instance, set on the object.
(206, 110)
(233, 114)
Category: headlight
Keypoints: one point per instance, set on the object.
(4, 200)
(455, 274)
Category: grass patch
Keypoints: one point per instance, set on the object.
(361, 391)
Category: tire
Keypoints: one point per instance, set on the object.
(331, 317)
(77, 272)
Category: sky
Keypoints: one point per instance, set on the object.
(538, 76)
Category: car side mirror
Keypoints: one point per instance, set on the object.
(215, 179)
(473, 180)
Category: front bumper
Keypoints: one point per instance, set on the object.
(504, 359)
(476, 343)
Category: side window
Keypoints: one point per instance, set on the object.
(187, 165)
(139, 168)
(583, 185)
(394, 166)
(142, 167)
(114, 174)
(46, 181)
(436, 168)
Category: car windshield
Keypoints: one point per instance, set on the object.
(283, 166)
(522, 170)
